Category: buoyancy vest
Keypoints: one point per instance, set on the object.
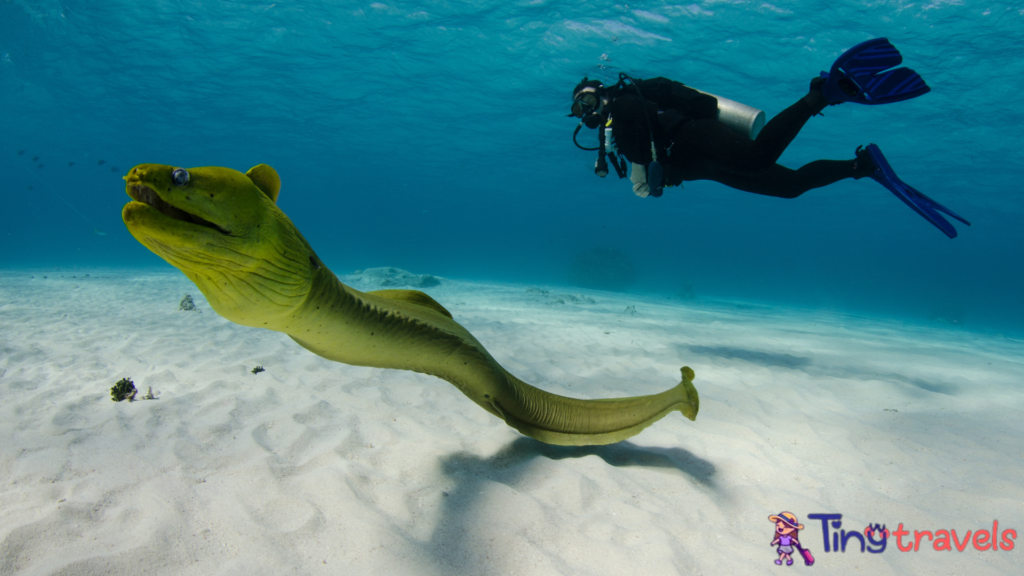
(667, 104)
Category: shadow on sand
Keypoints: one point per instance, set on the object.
(455, 542)
(767, 359)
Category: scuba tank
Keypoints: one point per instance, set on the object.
(744, 119)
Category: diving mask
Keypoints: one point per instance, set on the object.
(586, 103)
(588, 106)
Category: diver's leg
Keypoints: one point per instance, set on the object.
(782, 182)
(783, 128)
(725, 149)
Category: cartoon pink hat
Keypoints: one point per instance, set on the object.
(789, 518)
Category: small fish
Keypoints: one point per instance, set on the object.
(99, 233)
(115, 169)
(71, 164)
(101, 162)
(34, 158)
(21, 152)
(31, 187)
(41, 166)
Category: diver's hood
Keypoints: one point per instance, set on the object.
(585, 83)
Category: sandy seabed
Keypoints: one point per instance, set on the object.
(315, 467)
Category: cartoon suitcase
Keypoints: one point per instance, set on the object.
(808, 558)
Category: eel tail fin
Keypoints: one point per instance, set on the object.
(689, 405)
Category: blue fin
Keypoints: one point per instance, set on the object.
(862, 75)
(929, 209)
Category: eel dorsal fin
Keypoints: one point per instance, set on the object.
(266, 179)
(414, 297)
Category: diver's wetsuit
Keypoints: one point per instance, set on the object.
(693, 145)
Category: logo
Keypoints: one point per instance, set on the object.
(786, 538)
(874, 538)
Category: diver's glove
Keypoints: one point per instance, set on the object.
(638, 176)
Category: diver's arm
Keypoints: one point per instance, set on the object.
(638, 176)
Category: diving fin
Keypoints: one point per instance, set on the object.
(929, 209)
(862, 75)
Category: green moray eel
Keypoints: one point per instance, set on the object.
(224, 230)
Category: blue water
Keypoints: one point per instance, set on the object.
(432, 136)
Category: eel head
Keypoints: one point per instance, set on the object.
(223, 229)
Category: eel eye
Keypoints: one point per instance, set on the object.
(179, 176)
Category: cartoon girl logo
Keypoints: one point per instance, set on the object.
(786, 537)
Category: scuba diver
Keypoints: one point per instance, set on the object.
(670, 132)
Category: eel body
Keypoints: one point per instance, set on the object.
(225, 232)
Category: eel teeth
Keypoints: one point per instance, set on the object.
(146, 195)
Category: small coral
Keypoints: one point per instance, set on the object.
(258, 369)
(187, 304)
(123, 390)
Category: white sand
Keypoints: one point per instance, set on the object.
(314, 467)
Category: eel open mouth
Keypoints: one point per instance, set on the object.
(146, 195)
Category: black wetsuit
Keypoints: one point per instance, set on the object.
(693, 145)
